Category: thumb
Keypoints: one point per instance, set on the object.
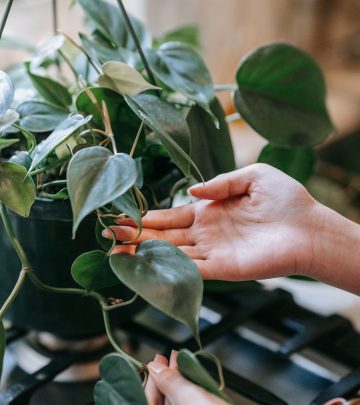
(223, 186)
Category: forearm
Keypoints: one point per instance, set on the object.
(335, 255)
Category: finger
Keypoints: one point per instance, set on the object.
(224, 186)
(192, 251)
(180, 217)
(173, 359)
(153, 395)
(129, 249)
(128, 233)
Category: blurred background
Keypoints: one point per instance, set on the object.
(227, 29)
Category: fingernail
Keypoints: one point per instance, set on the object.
(156, 367)
(106, 234)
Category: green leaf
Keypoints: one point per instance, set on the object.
(29, 137)
(2, 345)
(22, 158)
(169, 124)
(4, 143)
(124, 122)
(120, 383)
(110, 21)
(126, 203)
(182, 69)
(165, 277)
(296, 162)
(17, 190)
(60, 134)
(211, 147)
(190, 367)
(95, 178)
(282, 96)
(49, 89)
(122, 78)
(47, 50)
(187, 34)
(6, 92)
(39, 116)
(92, 271)
(8, 119)
(104, 243)
(60, 195)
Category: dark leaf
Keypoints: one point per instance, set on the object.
(126, 204)
(60, 195)
(296, 162)
(2, 345)
(282, 96)
(104, 243)
(165, 277)
(6, 92)
(120, 383)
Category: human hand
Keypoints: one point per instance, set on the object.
(252, 223)
(167, 386)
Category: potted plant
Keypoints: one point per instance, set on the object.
(113, 125)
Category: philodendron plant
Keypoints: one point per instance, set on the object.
(102, 121)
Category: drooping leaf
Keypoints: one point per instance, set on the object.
(169, 124)
(47, 50)
(122, 78)
(49, 89)
(92, 271)
(190, 367)
(2, 345)
(120, 383)
(126, 203)
(17, 191)
(4, 143)
(124, 122)
(95, 178)
(296, 162)
(29, 137)
(211, 147)
(110, 21)
(182, 69)
(8, 119)
(39, 116)
(22, 158)
(282, 94)
(58, 136)
(6, 92)
(165, 277)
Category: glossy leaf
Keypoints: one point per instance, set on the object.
(17, 191)
(126, 204)
(104, 243)
(165, 277)
(4, 143)
(182, 69)
(190, 367)
(49, 89)
(95, 178)
(122, 78)
(6, 92)
(8, 119)
(47, 50)
(296, 162)
(110, 21)
(187, 34)
(92, 271)
(124, 122)
(58, 136)
(169, 124)
(282, 96)
(211, 147)
(2, 345)
(120, 383)
(38, 116)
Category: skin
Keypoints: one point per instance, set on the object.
(253, 223)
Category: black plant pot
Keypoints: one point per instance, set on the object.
(46, 239)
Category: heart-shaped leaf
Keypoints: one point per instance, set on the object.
(4, 143)
(120, 383)
(190, 367)
(296, 162)
(60, 134)
(282, 96)
(2, 345)
(95, 178)
(38, 116)
(165, 277)
(8, 119)
(122, 78)
(92, 271)
(49, 89)
(126, 203)
(6, 92)
(17, 190)
(182, 69)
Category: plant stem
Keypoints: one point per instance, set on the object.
(11, 234)
(136, 42)
(50, 166)
(15, 291)
(121, 304)
(5, 16)
(55, 16)
(137, 138)
(225, 87)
